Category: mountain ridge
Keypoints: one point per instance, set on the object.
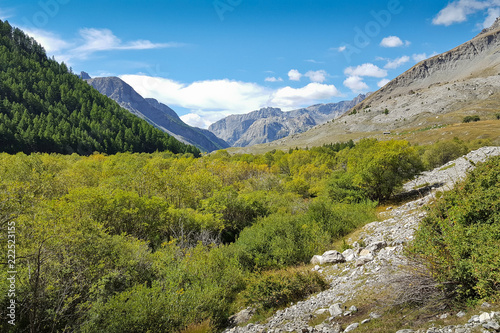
(156, 113)
(269, 124)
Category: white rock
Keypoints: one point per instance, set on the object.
(373, 247)
(363, 260)
(349, 255)
(365, 253)
(332, 257)
(483, 317)
(351, 327)
(335, 309)
(317, 260)
(320, 311)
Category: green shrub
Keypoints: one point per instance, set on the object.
(497, 116)
(460, 238)
(280, 240)
(469, 119)
(339, 219)
(442, 152)
(274, 289)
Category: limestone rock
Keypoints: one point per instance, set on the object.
(333, 257)
(317, 260)
(363, 260)
(335, 309)
(485, 316)
(374, 247)
(349, 254)
(242, 316)
(351, 327)
(492, 325)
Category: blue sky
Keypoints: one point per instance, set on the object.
(210, 58)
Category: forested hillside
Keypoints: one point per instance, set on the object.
(45, 108)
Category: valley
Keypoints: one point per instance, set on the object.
(169, 207)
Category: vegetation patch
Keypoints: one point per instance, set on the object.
(459, 238)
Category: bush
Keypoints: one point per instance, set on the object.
(376, 170)
(339, 219)
(469, 119)
(441, 153)
(280, 240)
(274, 289)
(497, 115)
(460, 237)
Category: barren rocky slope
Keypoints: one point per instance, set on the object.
(375, 267)
(435, 92)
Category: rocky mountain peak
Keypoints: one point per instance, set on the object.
(493, 27)
(84, 76)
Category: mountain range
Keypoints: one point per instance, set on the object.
(424, 104)
(156, 113)
(269, 124)
(264, 125)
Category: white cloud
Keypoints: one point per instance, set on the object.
(314, 61)
(291, 98)
(215, 99)
(341, 49)
(316, 76)
(51, 42)
(196, 120)
(458, 11)
(422, 56)
(493, 13)
(294, 75)
(366, 70)
(391, 41)
(273, 79)
(383, 82)
(393, 64)
(394, 41)
(88, 42)
(356, 84)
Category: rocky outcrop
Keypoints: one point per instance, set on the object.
(385, 242)
(269, 124)
(156, 113)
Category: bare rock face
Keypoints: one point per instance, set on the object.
(269, 124)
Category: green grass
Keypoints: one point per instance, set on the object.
(447, 167)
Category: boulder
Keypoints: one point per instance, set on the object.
(484, 317)
(365, 253)
(351, 327)
(492, 325)
(317, 260)
(363, 260)
(335, 309)
(242, 316)
(333, 257)
(349, 255)
(376, 246)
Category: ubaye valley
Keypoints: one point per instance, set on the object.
(379, 214)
